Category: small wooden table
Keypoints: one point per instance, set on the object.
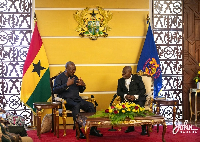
(84, 120)
(195, 90)
(160, 103)
(48, 105)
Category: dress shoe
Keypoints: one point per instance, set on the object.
(95, 132)
(144, 132)
(81, 136)
(130, 129)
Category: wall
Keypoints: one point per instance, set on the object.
(99, 62)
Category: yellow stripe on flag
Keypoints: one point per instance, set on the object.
(30, 78)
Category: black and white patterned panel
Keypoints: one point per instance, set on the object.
(15, 36)
(168, 36)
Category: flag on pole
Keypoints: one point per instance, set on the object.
(35, 82)
(149, 61)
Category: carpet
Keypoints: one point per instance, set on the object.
(120, 136)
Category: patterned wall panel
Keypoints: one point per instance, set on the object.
(15, 35)
(167, 29)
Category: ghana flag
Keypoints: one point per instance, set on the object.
(35, 82)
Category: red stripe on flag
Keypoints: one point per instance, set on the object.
(36, 43)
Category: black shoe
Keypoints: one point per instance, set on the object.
(130, 129)
(94, 132)
(144, 132)
(82, 136)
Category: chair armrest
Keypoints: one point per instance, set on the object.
(58, 99)
(117, 98)
(92, 100)
(151, 104)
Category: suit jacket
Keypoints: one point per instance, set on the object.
(136, 87)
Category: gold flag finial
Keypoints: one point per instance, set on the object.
(35, 19)
(148, 18)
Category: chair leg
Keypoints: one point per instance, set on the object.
(64, 117)
(57, 122)
(157, 128)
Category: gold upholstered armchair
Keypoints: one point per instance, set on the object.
(149, 86)
(63, 112)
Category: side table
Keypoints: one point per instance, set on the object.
(48, 105)
(160, 103)
(195, 90)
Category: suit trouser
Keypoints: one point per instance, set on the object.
(141, 103)
(75, 106)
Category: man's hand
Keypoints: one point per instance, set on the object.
(80, 82)
(70, 81)
(130, 98)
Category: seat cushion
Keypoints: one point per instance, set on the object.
(148, 82)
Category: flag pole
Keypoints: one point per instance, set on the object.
(33, 123)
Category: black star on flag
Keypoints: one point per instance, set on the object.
(38, 68)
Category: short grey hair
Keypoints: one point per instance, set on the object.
(69, 63)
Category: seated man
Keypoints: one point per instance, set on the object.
(67, 86)
(131, 88)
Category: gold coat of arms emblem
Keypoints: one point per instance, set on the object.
(93, 24)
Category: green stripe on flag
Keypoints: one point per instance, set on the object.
(42, 91)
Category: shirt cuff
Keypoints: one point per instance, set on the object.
(125, 97)
(136, 97)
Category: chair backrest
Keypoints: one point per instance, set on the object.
(149, 86)
(51, 85)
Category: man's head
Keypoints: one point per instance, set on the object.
(126, 72)
(70, 68)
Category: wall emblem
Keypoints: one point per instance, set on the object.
(93, 24)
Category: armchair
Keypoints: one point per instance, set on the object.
(63, 112)
(149, 86)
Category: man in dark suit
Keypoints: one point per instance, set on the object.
(131, 88)
(67, 86)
